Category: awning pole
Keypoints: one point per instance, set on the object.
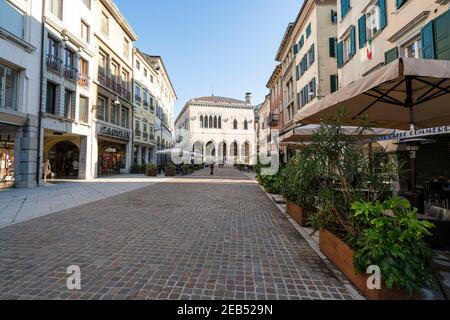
(409, 102)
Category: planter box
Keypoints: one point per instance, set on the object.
(297, 213)
(152, 172)
(342, 256)
(170, 172)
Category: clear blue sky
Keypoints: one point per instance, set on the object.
(225, 47)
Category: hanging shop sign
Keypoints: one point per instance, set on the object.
(115, 133)
(400, 135)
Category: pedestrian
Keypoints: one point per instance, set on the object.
(47, 170)
(212, 169)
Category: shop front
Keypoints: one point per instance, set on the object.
(113, 145)
(7, 146)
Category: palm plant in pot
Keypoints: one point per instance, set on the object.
(170, 170)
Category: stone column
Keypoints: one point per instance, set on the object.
(139, 155)
(25, 154)
(82, 172)
(146, 155)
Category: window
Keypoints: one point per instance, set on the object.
(85, 31)
(125, 80)
(245, 125)
(220, 122)
(114, 114)
(215, 122)
(210, 124)
(312, 93)
(334, 17)
(115, 71)
(84, 109)
(346, 49)
(311, 55)
(101, 108)
(138, 65)
(308, 31)
(56, 7)
(345, 7)
(412, 49)
(400, 3)
(332, 44)
(69, 60)
(51, 98)
(235, 124)
(145, 73)
(68, 104)
(105, 23)
(372, 22)
(8, 88)
(205, 122)
(84, 73)
(137, 128)
(201, 121)
(302, 42)
(102, 63)
(124, 117)
(53, 50)
(11, 19)
(334, 83)
(126, 48)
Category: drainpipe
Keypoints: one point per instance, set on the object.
(41, 97)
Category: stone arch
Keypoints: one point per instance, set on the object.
(222, 153)
(234, 152)
(62, 156)
(246, 153)
(210, 152)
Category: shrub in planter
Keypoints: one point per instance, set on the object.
(272, 183)
(135, 169)
(299, 186)
(393, 239)
(170, 171)
(152, 170)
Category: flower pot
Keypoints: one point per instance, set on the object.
(170, 172)
(342, 256)
(297, 213)
(152, 173)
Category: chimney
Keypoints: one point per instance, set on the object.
(248, 98)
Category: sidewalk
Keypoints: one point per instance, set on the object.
(18, 205)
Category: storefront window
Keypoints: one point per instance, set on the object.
(111, 157)
(6, 160)
(8, 88)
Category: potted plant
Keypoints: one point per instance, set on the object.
(170, 170)
(135, 168)
(152, 170)
(361, 224)
(299, 186)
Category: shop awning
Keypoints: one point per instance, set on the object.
(303, 134)
(406, 92)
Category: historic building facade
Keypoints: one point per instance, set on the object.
(113, 134)
(144, 78)
(164, 92)
(307, 57)
(20, 61)
(217, 129)
(373, 33)
(66, 131)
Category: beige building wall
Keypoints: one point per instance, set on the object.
(403, 26)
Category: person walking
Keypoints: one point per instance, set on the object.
(47, 170)
(212, 169)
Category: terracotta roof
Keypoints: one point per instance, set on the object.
(218, 100)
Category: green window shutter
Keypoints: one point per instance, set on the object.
(302, 41)
(312, 57)
(391, 55)
(297, 72)
(362, 29)
(400, 3)
(345, 7)
(340, 54)
(428, 45)
(332, 45)
(442, 36)
(383, 13)
(308, 31)
(334, 83)
(353, 41)
(295, 48)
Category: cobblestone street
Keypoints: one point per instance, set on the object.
(196, 237)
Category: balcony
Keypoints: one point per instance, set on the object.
(274, 119)
(54, 64)
(83, 80)
(113, 85)
(138, 99)
(71, 73)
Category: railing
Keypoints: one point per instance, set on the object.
(53, 63)
(71, 73)
(138, 99)
(111, 84)
(83, 80)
